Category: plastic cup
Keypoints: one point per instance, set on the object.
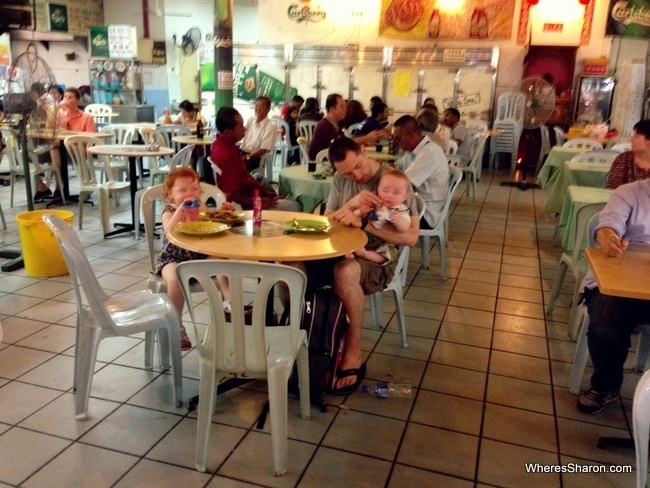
(311, 167)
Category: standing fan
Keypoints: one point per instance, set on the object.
(539, 106)
(189, 41)
(28, 80)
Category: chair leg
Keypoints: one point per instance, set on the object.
(642, 351)
(303, 381)
(425, 246)
(12, 184)
(399, 311)
(207, 388)
(104, 209)
(85, 365)
(443, 264)
(149, 340)
(278, 385)
(580, 358)
(375, 308)
(557, 284)
(641, 428)
(173, 350)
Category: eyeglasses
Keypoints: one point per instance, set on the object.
(398, 139)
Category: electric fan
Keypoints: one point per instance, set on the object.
(29, 79)
(189, 41)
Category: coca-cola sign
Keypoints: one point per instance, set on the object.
(629, 18)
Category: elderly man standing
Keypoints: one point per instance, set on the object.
(426, 167)
(328, 128)
(355, 182)
(260, 136)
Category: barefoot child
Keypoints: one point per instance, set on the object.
(182, 185)
(393, 190)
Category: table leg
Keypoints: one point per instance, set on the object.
(123, 227)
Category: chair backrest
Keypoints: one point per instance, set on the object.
(97, 109)
(546, 140)
(454, 160)
(323, 155)
(283, 128)
(84, 163)
(475, 126)
(235, 347)
(559, 135)
(591, 229)
(583, 222)
(304, 150)
(452, 146)
(477, 148)
(583, 143)
(603, 156)
(306, 128)
(152, 136)
(148, 205)
(171, 130)
(621, 147)
(81, 272)
(421, 206)
(122, 133)
(354, 127)
(183, 157)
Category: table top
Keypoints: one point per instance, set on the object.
(570, 136)
(622, 276)
(381, 156)
(62, 134)
(591, 175)
(129, 150)
(206, 141)
(577, 197)
(239, 243)
(97, 114)
(296, 183)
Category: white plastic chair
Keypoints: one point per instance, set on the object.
(283, 144)
(475, 126)
(472, 171)
(441, 230)
(169, 131)
(641, 428)
(612, 141)
(452, 146)
(233, 349)
(621, 147)
(576, 260)
(354, 127)
(583, 143)
(183, 157)
(559, 135)
(122, 134)
(14, 157)
(304, 151)
(84, 166)
(396, 286)
(306, 129)
(454, 160)
(152, 136)
(603, 156)
(97, 110)
(323, 155)
(112, 316)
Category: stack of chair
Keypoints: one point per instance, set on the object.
(509, 122)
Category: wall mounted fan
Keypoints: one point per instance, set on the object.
(189, 42)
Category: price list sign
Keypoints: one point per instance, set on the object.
(122, 41)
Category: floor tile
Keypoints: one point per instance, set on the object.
(336, 468)
(519, 366)
(455, 381)
(519, 393)
(460, 355)
(507, 424)
(448, 412)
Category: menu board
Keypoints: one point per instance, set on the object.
(81, 14)
(113, 41)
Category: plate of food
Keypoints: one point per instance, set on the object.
(222, 215)
(200, 228)
(307, 226)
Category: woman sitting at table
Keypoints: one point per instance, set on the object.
(632, 165)
(182, 185)
(311, 111)
(186, 117)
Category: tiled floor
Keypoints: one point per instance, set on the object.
(490, 373)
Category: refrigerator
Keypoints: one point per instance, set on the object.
(593, 102)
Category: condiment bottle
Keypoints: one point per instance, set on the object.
(199, 126)
(257, 213)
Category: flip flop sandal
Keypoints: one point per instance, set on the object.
(346, 390)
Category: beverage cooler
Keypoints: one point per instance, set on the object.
(118, 82)
(593, 103)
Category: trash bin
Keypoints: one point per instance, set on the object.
(41, 251)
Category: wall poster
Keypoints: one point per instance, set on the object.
(628, 18)
(434, 19)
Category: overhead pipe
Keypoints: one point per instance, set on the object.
(145, 18)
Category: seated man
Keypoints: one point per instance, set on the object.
(328, 128)
(235, 180)
(70, 118)
(354, 184)
(377, 120)
(427, 120)
(426, 167)
(459, 134)
(624, 223)
(260, 136)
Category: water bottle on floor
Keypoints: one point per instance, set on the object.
(384, 390)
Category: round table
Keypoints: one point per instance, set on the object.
(238, 243)
(131, 151)
(296, 183)
(206, 141)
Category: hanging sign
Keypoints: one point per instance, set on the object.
(57, 17)
(113, 41)
(628, 18)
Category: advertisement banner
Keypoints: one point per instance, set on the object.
(435, 19)
(244, 85)
(628, 18)
(57, 17)
(99, 41)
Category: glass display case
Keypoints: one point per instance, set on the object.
(116, 81)
(594, 95)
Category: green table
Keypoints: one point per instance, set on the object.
(575, 198)
(554, 160)
(573, 173)
(296, 183)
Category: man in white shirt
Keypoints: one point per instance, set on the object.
(459, 134)
(425, 165)
(260, 136)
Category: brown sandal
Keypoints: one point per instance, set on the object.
(186, 344)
